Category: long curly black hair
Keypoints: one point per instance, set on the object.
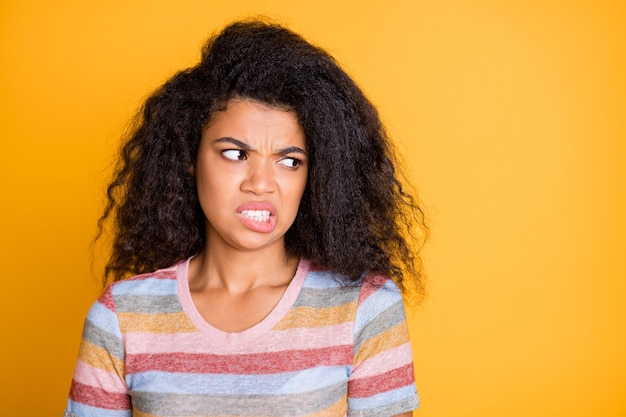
(355, 215)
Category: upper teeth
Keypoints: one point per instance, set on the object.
(257, 215)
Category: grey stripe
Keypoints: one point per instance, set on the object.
(408, 404)
(330, 297)
(269, 405)
(153, 304)
(384, 321)
(99, 337)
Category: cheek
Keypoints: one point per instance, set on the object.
(298, 190)
(213, 177)
(210, 188)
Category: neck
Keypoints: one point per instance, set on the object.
(240, 271)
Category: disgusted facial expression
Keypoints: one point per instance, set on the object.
(251, 172)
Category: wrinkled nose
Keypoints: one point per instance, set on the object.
(259, 178)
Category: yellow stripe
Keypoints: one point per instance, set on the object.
(317, 317)
(392, 338)
(99, 358)
(155, 323)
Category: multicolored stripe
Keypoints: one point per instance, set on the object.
(328, 349)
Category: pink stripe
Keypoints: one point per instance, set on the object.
(196, 342)
(389, 359)
(89, 375)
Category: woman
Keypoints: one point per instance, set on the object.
(261, 188)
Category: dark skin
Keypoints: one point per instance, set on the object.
(251, 173)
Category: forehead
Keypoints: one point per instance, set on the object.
(251, 120)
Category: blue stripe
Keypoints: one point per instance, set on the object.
(217, 384)
(152, 286)
(382, 399)
(87, 410)
(376, 303)
(322, 280)
(323, 376)
(104, 319)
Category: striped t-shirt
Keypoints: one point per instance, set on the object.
(327, 349)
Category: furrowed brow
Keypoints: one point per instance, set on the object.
(235, 142)
(291, 149)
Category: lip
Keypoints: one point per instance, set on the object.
(256, 226)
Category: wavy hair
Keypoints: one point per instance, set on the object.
(355, 215)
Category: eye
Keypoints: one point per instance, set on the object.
(235, 154)
(290, 162)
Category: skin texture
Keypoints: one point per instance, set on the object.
(251, 156)
(250, 152)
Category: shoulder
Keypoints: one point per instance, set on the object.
(380, 306)
(128, 291)
(379, 290)
(371, 292)
(152, 283)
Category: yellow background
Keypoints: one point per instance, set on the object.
(510, 116)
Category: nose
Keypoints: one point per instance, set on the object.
(259, 178)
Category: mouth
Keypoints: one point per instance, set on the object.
(261, 216)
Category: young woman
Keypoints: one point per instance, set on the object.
(258, 207)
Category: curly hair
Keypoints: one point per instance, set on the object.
(354, 217)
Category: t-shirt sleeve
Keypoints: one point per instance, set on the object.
(98, 388)
(382, 382)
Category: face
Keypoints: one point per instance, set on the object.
(251, 172)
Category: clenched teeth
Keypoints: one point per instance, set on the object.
(257, 215)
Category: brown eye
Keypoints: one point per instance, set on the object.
(235, 154)
(290, 162)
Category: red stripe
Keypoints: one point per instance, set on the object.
(260, 363)
(397, 378)
(167, 274)
(106, 299)
(371, 284)
(97, 397)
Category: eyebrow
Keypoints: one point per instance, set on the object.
(246, 147)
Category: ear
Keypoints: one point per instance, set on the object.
(192, 170)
